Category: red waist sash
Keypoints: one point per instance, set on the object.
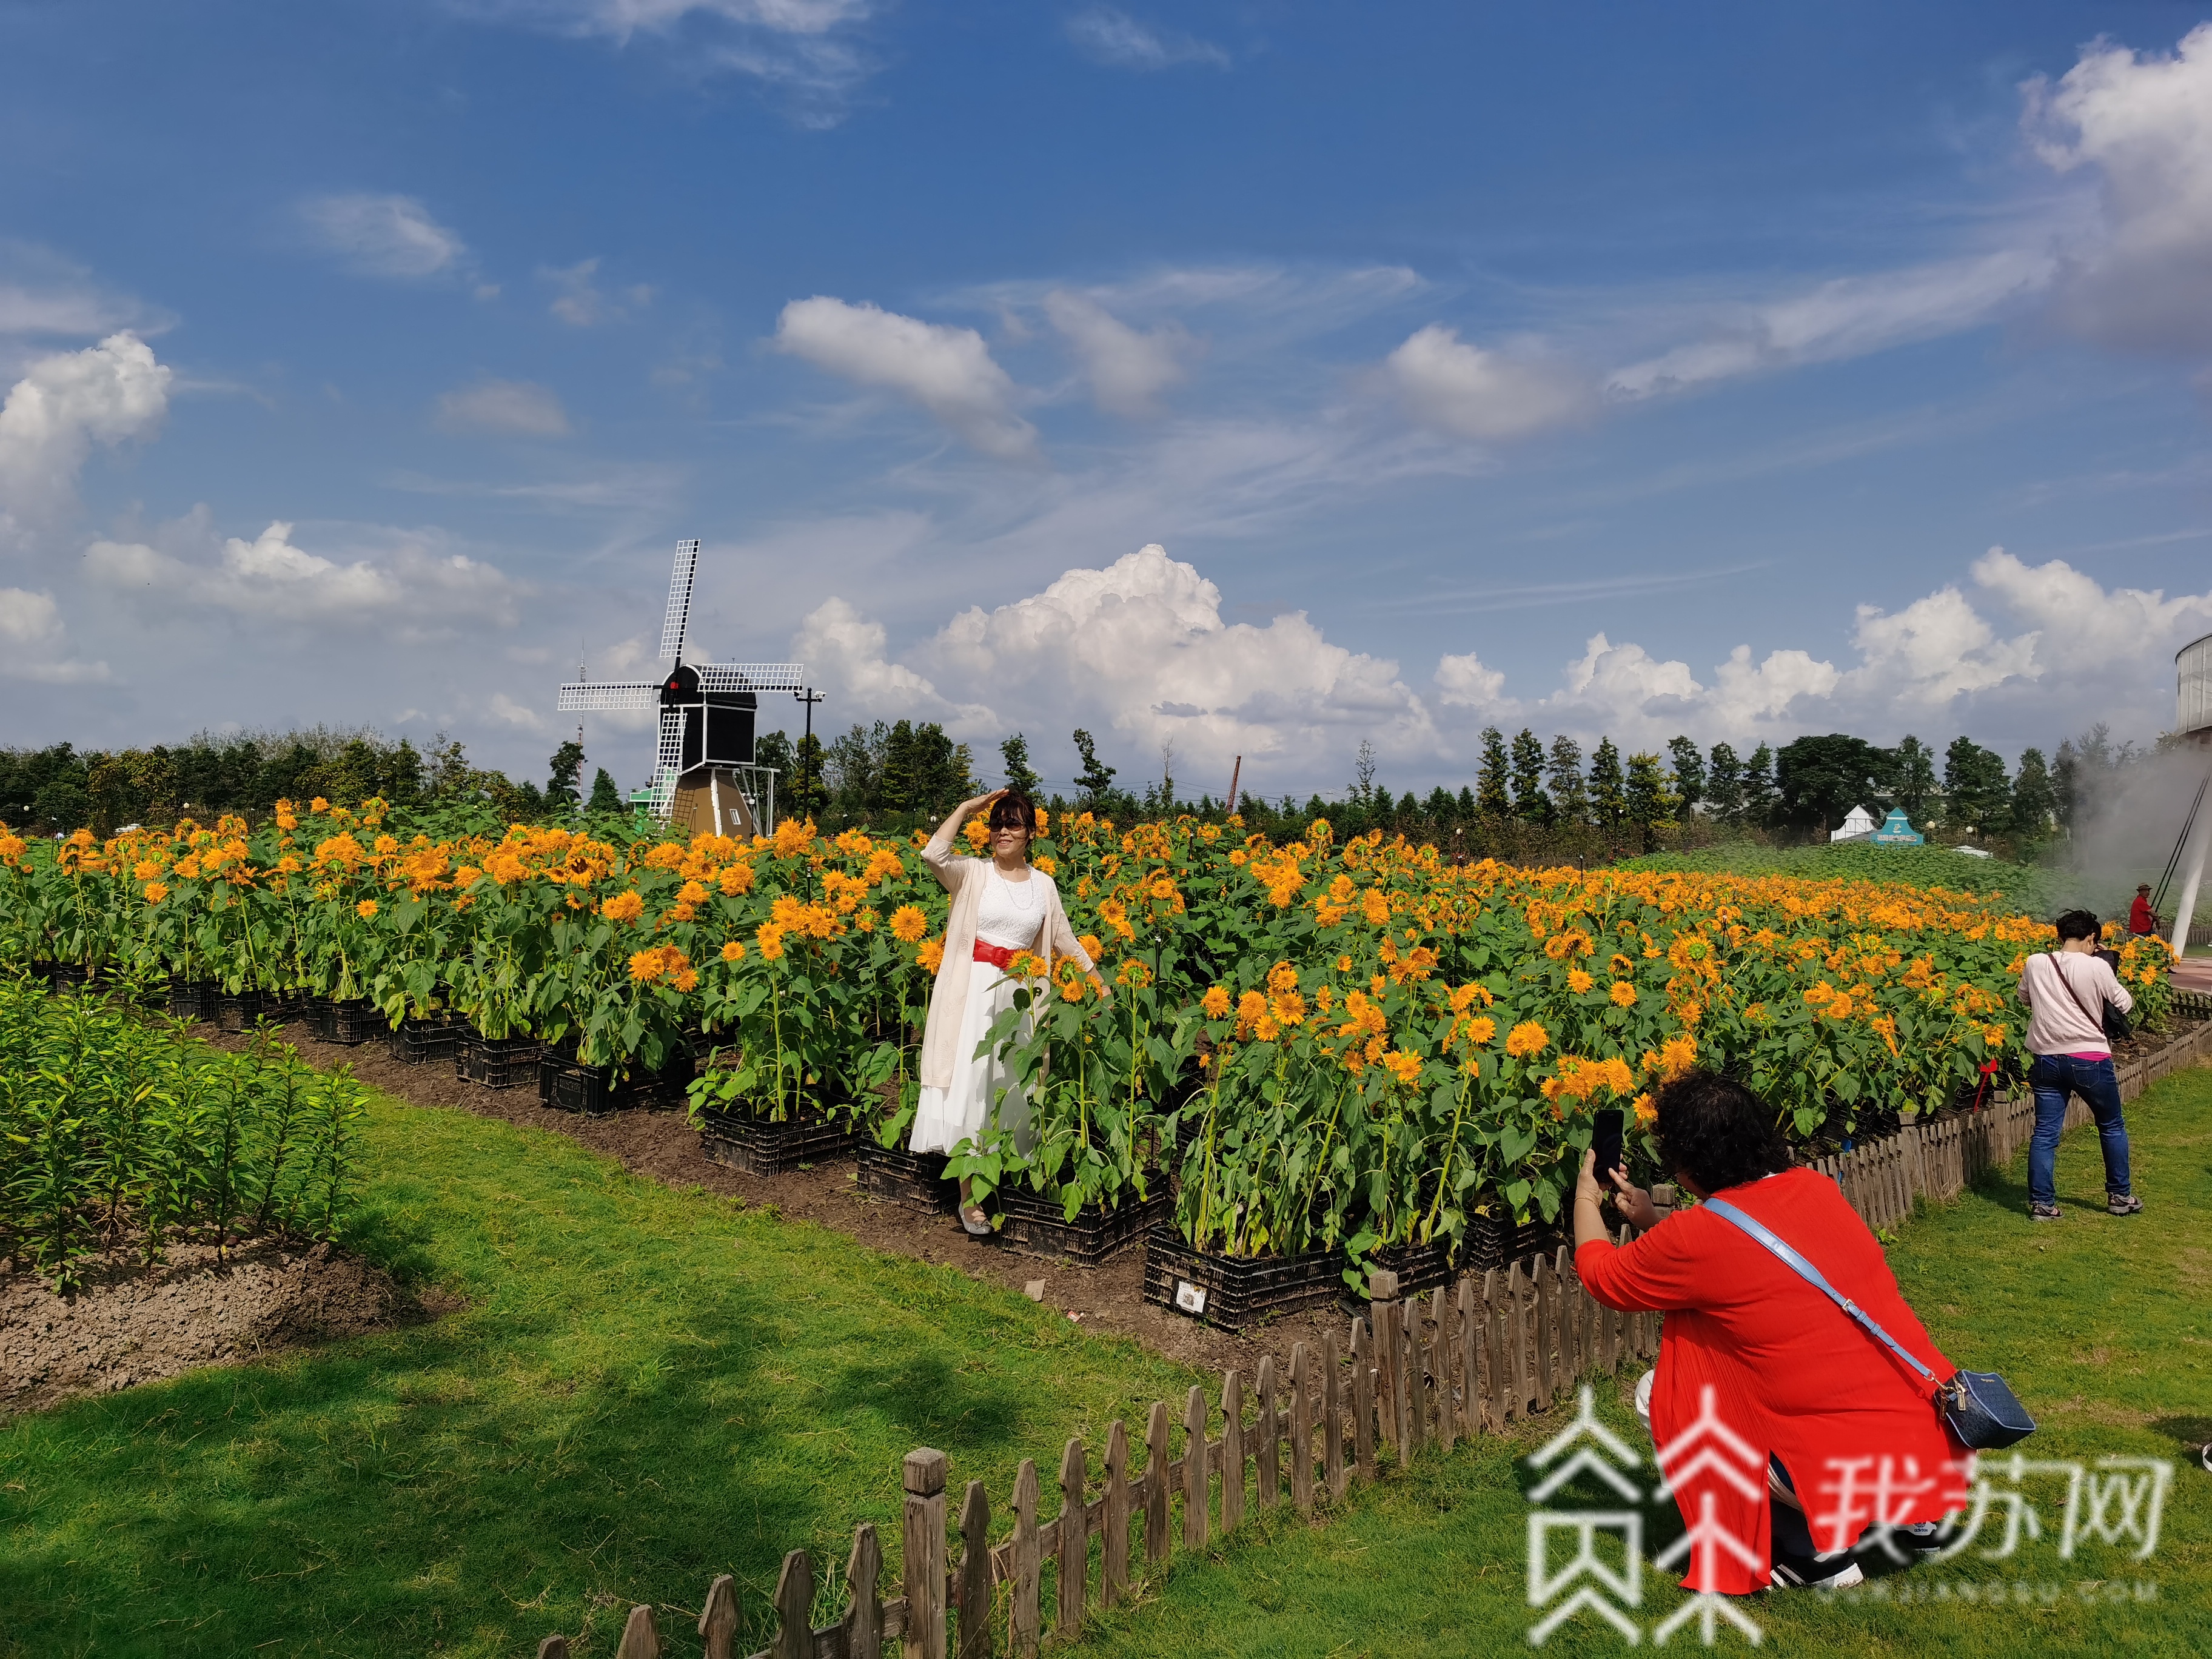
(997, 955)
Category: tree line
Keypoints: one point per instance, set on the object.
(58, 788)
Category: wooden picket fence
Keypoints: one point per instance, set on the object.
(1411, 1376)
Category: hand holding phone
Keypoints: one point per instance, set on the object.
(1605, 1143)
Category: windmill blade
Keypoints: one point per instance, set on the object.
(751, 676)
(679, 599)
(586, 698)
(670, 760)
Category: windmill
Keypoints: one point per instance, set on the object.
(703, 773)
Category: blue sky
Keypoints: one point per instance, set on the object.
(1615, 370)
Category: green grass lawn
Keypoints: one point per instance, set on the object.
(2103, 1326)
(645, 1389)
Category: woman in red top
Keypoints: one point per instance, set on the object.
(1804, 1395)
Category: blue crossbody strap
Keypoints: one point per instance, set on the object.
(1811, 1274)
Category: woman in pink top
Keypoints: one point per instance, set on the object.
(2066, 991)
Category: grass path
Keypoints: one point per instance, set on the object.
(645, 1389)
(2104, 1325)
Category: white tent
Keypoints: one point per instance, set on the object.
(1856, 827)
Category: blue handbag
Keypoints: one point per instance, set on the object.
(1976, 1406)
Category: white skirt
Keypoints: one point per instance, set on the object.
(945, 1117)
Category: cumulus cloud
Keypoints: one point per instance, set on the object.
(392, 236)
(579, 301)
(947, 371)
(31, 641)
(106, 394)
(1112, 37)
(1127, 367)
(408, 590)
(1138, 649)
(520, 407)
(2144, 121)
(1478, 394)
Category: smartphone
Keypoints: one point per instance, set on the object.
(1606, 1143)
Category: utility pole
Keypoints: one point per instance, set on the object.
(1235, 773)
(809, 697)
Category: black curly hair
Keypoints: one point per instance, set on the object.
(1718, 1132)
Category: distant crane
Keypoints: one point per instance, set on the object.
(704, 775)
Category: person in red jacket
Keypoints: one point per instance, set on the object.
(2140, 919)
(1850, 1438)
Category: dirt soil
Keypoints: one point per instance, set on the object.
(659, 1146)
(132, 1324)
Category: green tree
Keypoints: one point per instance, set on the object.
(1724, 784)
(1569, 800)
(1650, 804)
(1015, 752)
(1529, 800)
(1096, 778)
(1821, 779)
(808, 795)
(606, 798)
(1689, 779)
(1976, 793)
(1493, 778)
(564, 787)
(1912, 778)
(2034, 804)
(1759, 799)
(1608, 787)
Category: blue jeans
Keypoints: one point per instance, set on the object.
(2053, 1078)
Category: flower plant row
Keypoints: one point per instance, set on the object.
(1331, 1046)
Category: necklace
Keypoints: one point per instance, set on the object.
(1017, 901)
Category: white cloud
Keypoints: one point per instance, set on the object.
(107, 393)
(508, 712)
(390, 236)
(31, 641)
(408, 590)
(1481, 394)
(1849, 317)
(1140, 650)
(948, 371)
(1463, 683)
(581, 302)
(806, 49)
(1128, 369)
(2144, 124)
(1112, 37)
(42, 293)
(521, 407)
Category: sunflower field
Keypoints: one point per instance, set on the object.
(1316, 1044)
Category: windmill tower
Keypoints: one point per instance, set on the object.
(704, 777)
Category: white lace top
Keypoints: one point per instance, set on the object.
(1008, 913)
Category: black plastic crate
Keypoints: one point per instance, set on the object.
(237, 1011)
(568, 1086)
(194, 998)
(759, 1147)
(1419, 1266)
(350, 1022)
(1036, 1226)
(916, 1181)
(1499, 1241)
(419, 1041)
(508, 1062)
(1232, 1293)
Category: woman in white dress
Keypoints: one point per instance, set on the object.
(999, 905)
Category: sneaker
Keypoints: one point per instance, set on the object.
(1831, 1569)
(2123, 1203)
(2043, 1212)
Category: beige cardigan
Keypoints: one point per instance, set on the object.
(963, 879)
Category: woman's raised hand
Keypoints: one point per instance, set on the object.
(980, 803)
(1634, 1203)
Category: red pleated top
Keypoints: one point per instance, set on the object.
(1791, 1375)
